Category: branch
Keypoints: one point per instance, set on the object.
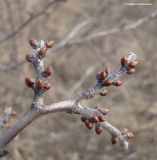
(90, 116)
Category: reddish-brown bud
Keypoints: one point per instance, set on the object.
(47, 86)
(103, 92)
(101, 118)
(47, 72)
(29, 82)
(89, 125)
(98, 129)
(32, 42)
(113, 140)
(42, 53)
(94, 119)
(117, 83)
(49, 44)
(40, 84)
(83, 119)
(133, 64)
(131, 71)
(29, 57)
(108, 82)
(102, 75)
(104, 111)
(124, 61)
(107, 70)
(130, 135)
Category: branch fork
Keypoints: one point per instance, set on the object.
(90, 116)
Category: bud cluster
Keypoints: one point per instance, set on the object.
(40, 50)
(131, 66)
(39, 84)
(94, 119)
(125, 133)
(42, 53)
(107, 78)
(102, 78)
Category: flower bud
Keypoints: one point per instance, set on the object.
(29, 82)
(89, 125)
(49, 44)
(124, 61)
(33, 42)
(101, 118)
(117, 83)
(130, 135)
(133, 64)
(94, 119)
(47, 72)
(113, 140)
(104, 111)
(131, 71)
(29, 57)
(47, 86)
(39, 84)
(98, 129)
(102, 75)
(108, 82)
(42, 53)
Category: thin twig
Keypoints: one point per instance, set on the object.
(126, 27)
(29, 20)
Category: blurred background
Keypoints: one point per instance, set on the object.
(89, 35)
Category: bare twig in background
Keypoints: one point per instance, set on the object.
(12, 66)
(83, 78)
(72, 40)
(90, 116)
(66, 41)
(100, 34)
(29, 20)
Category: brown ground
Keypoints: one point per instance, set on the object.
(61, 136)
